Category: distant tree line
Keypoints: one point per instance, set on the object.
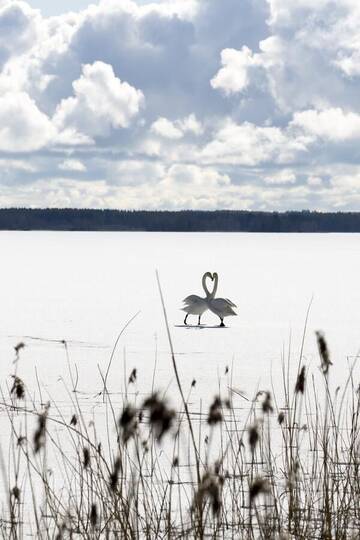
(58, 219)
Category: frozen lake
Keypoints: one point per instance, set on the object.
(83, 288)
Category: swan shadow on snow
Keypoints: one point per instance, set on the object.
(199, 327)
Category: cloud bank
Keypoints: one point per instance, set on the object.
(181, 104)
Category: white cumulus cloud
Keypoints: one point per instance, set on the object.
(101, 101)
(177, 129)
(234, 76)
(248, 144)
(165, 128)
(23, 127)
(20, 28)
(333, 124)
(196, 176)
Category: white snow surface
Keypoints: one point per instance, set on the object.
(84, 287)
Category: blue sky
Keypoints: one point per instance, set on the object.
(57, 7)
(176, 104)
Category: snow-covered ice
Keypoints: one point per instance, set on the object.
(83, 287)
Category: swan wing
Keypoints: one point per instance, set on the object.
(221, 307)
(231, 304)
(195, 305)
(222, 303)
(193, 299)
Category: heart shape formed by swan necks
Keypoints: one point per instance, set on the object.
(209, 275)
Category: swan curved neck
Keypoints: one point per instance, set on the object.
(216, 280)
(207, 292)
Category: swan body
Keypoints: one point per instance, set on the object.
(194, 304)
(222, 307)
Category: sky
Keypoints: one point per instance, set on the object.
(172, 104)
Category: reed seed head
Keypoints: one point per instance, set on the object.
(323, 352)
(266, 404)
(260, 486)
(15, 492)
(18, 388)
(18, 348)
(128, 423)
(300, 382)
(20, 440)
(281, 417)
(93, 515)
(86, 457)
(210, 489)
(133, 376)
(228, 403)
(253, 436)
(74, 420)
(40, 433)
(161, 416)
(215, 415)
(114, 476)
(145, 446)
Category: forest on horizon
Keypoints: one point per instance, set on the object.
(68, 219)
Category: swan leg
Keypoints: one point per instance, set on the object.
(199, 320)
(222, 322)
(185, 319)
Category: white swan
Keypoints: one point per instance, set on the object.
(195, 305)
(222, 307)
